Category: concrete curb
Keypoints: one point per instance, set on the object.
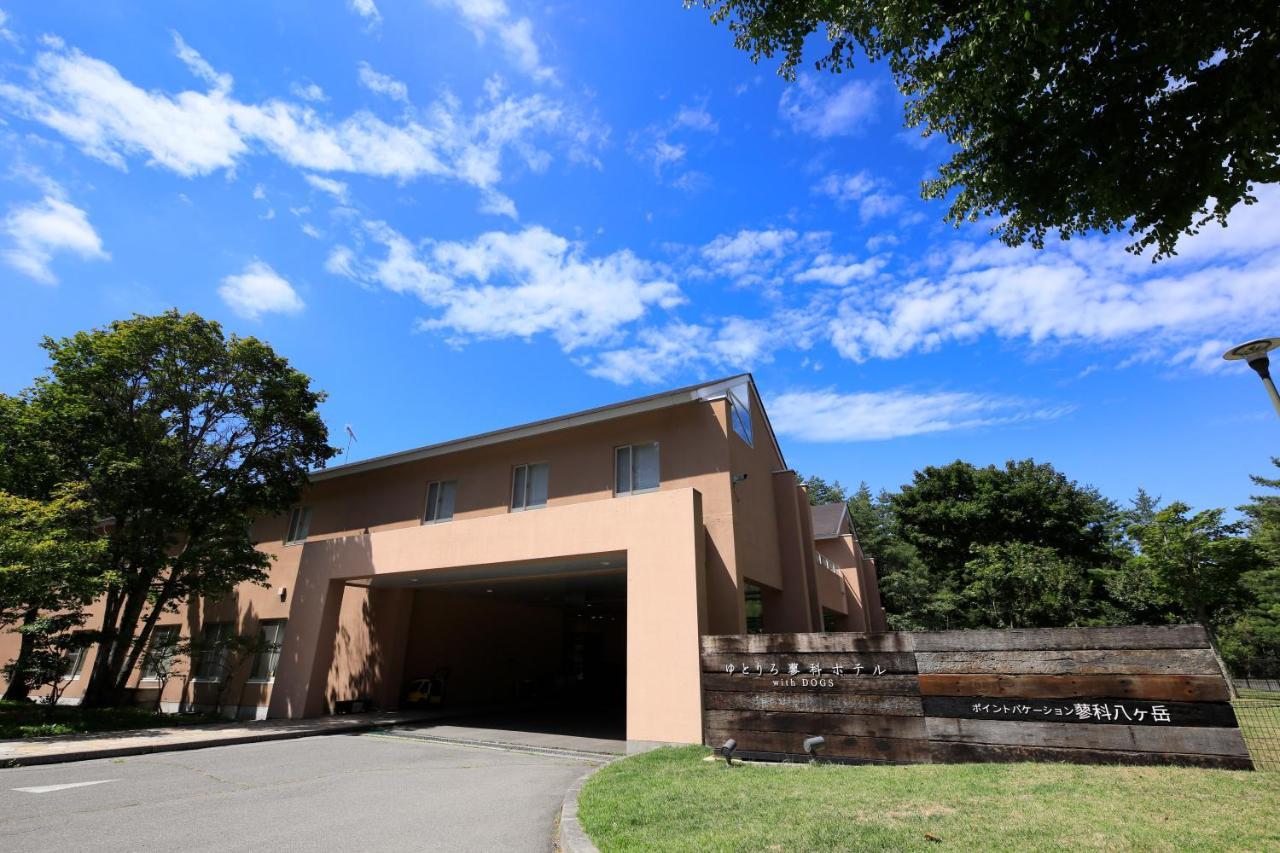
(570, 837)
(187, 745)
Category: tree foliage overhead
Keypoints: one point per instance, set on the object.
(183, 437)
(1065, 116)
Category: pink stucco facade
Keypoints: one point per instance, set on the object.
(590, 592)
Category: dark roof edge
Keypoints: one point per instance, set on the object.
(702, 391)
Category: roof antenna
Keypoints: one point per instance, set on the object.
(351, 436)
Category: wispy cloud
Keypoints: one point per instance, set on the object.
(825, 109)
(259, 290)
(195, 133)
(382, 84)
(494, 19)
(872, 195)
(367, 10)
(832, 416)
(309, 92)
(337, 189)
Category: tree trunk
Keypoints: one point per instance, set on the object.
(148, 627)
(19, 688)
(97, 692)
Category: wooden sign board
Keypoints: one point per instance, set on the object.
(1133, 695)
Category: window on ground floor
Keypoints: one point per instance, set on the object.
(211, 657)
(636, 468)
(755, 608)
(158, 661)
(829, 618)
(271, 634)
(76, 655)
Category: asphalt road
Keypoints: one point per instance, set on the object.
(340, 792)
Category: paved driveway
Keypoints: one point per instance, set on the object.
(342, 792)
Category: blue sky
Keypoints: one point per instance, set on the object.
(457, 215)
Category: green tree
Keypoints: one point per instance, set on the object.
(1063, 116)
(184, 436)
(1196, 562)
(51, 566)
(1250, 639)
(49, 644)
(822, 492)
(1020, 585)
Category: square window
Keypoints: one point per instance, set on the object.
(159, 657)
(440, 497)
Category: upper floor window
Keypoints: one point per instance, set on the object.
(740, 411)
(529, 486)
(636, 468)
(299, 522)
(440, 501)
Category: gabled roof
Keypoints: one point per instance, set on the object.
(830, 520)
(690, 393)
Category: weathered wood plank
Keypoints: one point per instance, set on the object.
(1093, 711)
(962, 753)
(853, 665)
(1080, 662)
(1185, 688)
(1177, 739)
(877, 685)
(770, 644)
(1064, 639)
(899, 706)
(855, 725)
(837, 745)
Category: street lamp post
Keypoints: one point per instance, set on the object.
(1255, 353)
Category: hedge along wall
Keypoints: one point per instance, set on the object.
(1134, 695)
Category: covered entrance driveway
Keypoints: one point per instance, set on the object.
(588, 612)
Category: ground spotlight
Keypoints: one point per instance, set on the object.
(727, 751)
(813, 744)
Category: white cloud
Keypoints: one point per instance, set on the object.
(870, 193)
(841, 270)
(311, 231)
(382, 84)
(832, 416)
(366, 9)
(749, 256)
(520, 284)
(259, 290)
(259, 192)
(731, 344)
(696, 118)
(51, 226)
(309, 92)
(195, 133)
(1084, 291)
(337, 189)
(199, 67)
(5, 32)
(840, 110)
(493, 18)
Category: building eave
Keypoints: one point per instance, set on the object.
(716, 389)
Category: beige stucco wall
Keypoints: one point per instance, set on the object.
(660, 534)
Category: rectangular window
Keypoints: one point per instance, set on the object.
(755, 608)
(159, 658)
(740, 411)
(299, 523)
(636, 468)
(212, 656)
(271, 633)
(76, 655)
(440, 501)
(529, 486)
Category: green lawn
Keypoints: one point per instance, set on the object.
(671, 799)
(24, 719)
